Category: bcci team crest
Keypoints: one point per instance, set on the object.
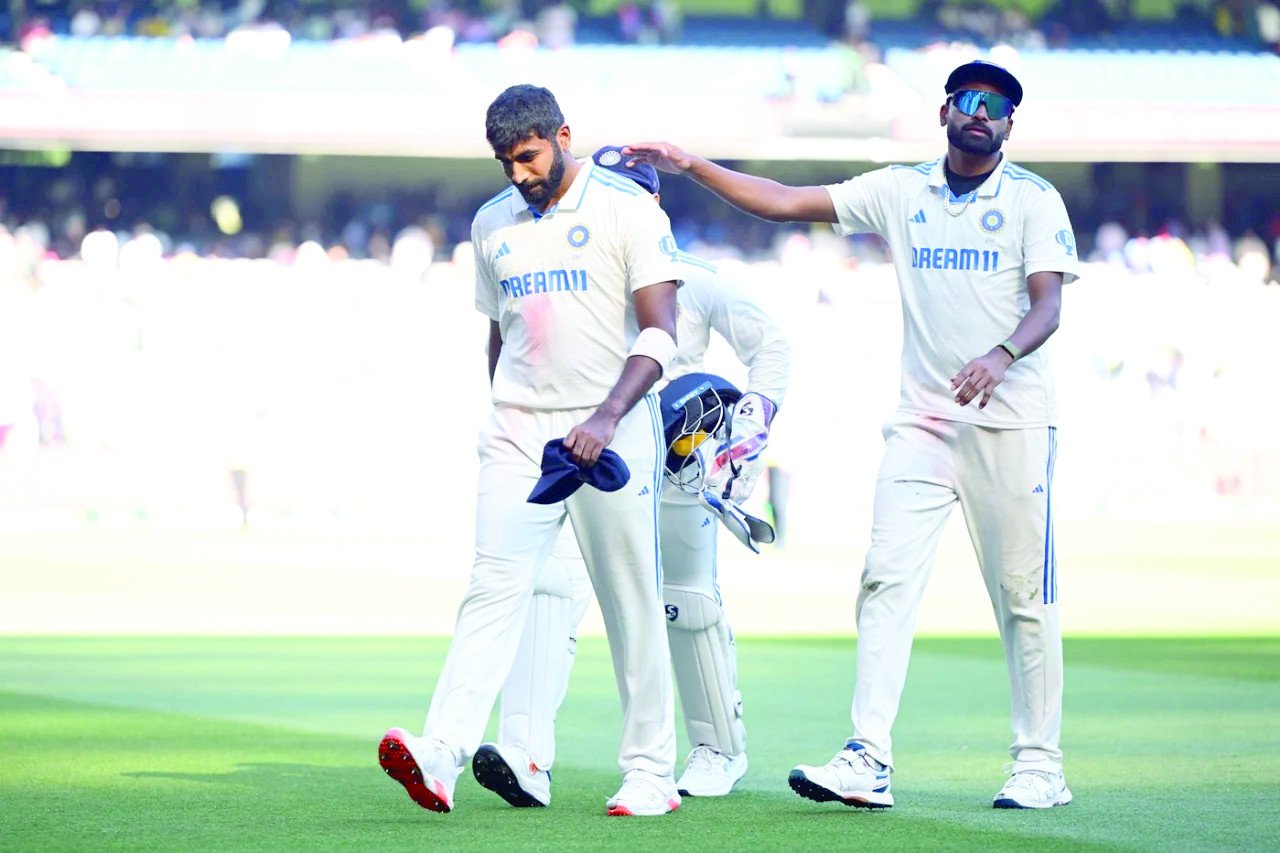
(610, 158)
(992, 221)
(578, 236)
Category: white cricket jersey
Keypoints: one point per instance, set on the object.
(962, 266)
(709, 302)
(560, 286)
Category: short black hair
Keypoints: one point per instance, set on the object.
(520, 112)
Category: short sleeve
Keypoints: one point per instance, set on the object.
(488, 294)
(648, 249)
(863, 203)
(1048, 243)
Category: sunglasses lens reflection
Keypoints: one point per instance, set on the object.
(967, 101)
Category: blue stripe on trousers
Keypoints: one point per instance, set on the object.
(655, 423)
(1049, 582)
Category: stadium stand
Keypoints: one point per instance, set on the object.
(206, 65)
(1186, 76)
(776, 77)
(129, 255)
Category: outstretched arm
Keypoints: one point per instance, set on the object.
(760, 197)
(655, 308)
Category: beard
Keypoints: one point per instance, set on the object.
(538, 193)
(971, 144)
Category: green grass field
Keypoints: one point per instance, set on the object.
(253, 744)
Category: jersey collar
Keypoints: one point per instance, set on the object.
(569, 201)
(938, 177)
(573, 196)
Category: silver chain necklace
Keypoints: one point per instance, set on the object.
(945, 192)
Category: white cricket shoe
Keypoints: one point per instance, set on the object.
(427, 768)
(852, 777)
(1033, 789)
(709, 772)
(508, 770)
(644, 794)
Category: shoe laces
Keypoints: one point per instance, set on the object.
(706, 758)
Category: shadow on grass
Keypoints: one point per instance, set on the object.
(270, 774)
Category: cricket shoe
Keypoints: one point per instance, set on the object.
(709, 772)
(509, 772)
(644, 794)
(852, 777)
(427, 768)
(1033, 789)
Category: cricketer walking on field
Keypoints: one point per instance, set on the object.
(572, 270)
(703, 652)
(982, 248)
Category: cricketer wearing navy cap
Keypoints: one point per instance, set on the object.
(982, 248)
(978, 116)
(981, 71)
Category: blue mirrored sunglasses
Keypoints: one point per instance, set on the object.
(967, 101)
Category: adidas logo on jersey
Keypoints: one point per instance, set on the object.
(502, 251)
(706, 521)
(643, 491)
(1038, 490)
(919, 217)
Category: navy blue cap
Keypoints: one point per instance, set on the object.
(611, 157)
(561, 476)
(981, 71)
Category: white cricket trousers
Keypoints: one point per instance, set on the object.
(1002, 479)
(706, 671)
(618, 535)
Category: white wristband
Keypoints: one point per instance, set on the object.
(656, 344)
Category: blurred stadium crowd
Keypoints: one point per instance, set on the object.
(195, 326)
(121, 201)
(560, 23)
(158, 387)
(847, 69)
(409, 237)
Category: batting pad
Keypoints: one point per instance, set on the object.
(705, 661)
(539, 678)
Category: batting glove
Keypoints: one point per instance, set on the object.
(739, 461)
(746, 528)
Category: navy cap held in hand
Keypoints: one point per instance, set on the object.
(561, 476)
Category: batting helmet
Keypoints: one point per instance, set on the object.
(695, 411)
